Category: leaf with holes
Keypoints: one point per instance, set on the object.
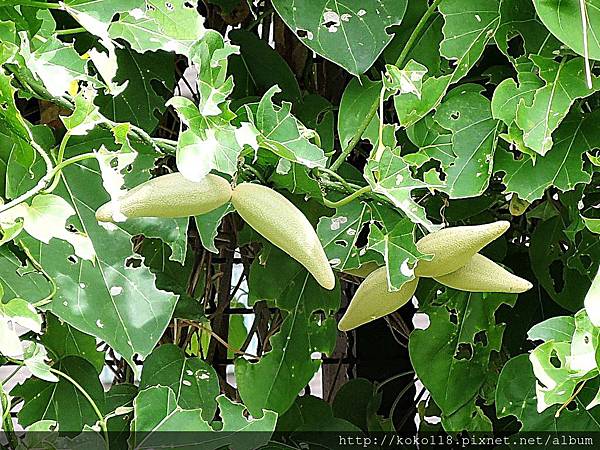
(468, 115)
(565, 83)
(350, 33)
(112, 293)
(308, 326)
(563, 167)
(161, 25)
(340, 236)
(457, 345)
(194, 382)
(156, 414)
(394, 238)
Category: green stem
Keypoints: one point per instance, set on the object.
(373, 110)
(70, 31)
(6, 422)
(417, 32)
(33, 4)
(91, 401)
(347, 199)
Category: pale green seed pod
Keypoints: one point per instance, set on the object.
(453, 247)
(481, 274)
(373, 300)
(170, 195)
(285, 226)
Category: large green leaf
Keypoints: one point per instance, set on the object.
(283, 134)
(565, 82)
(63, 340)
(457, 346)
(274, 382)
(339, 236)
(273, 70)
(57, 401)
(392, 177)
(140, 103)
(515, 395)
(171, 26)
(156, 413)
(519, 20)
(468, 115)
(468, 27)
(563, 167)
(194, 382)
(351, 33)
(563, 19)
(109, 294)
(359, 97)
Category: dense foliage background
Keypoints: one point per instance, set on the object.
(382, 120)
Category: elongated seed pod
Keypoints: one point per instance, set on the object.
(373, 300)
(281, 223)
(453, 247)
(481, 274)
(170, 195)
(363, 271)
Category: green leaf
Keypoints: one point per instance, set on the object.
(310, 415)
(193, 381)
(397, 245)
(99, 298)
(140, 103)
(457, 345)
(297, 181)
(272, 70)
(516, 396)
(358, 98)
(62, 340)
(358, 401)
(468, 116)
(56, 64)
(562, 168)
(433, 141)
(208, 226)
(426, 48)
(157, 413)
(565, 285)
(21, 279)
(565, 82)
(564, 21)
(171, 26)
(339, 235)
(34, 358)
(55, 401)
(349, 33)
(274, 382)
(283, 134)
(519, 20)
(405, 81)
(468, 27)
(508, 95)
(45, 219)
(103, 10)
(558, 329)
(392, 177)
